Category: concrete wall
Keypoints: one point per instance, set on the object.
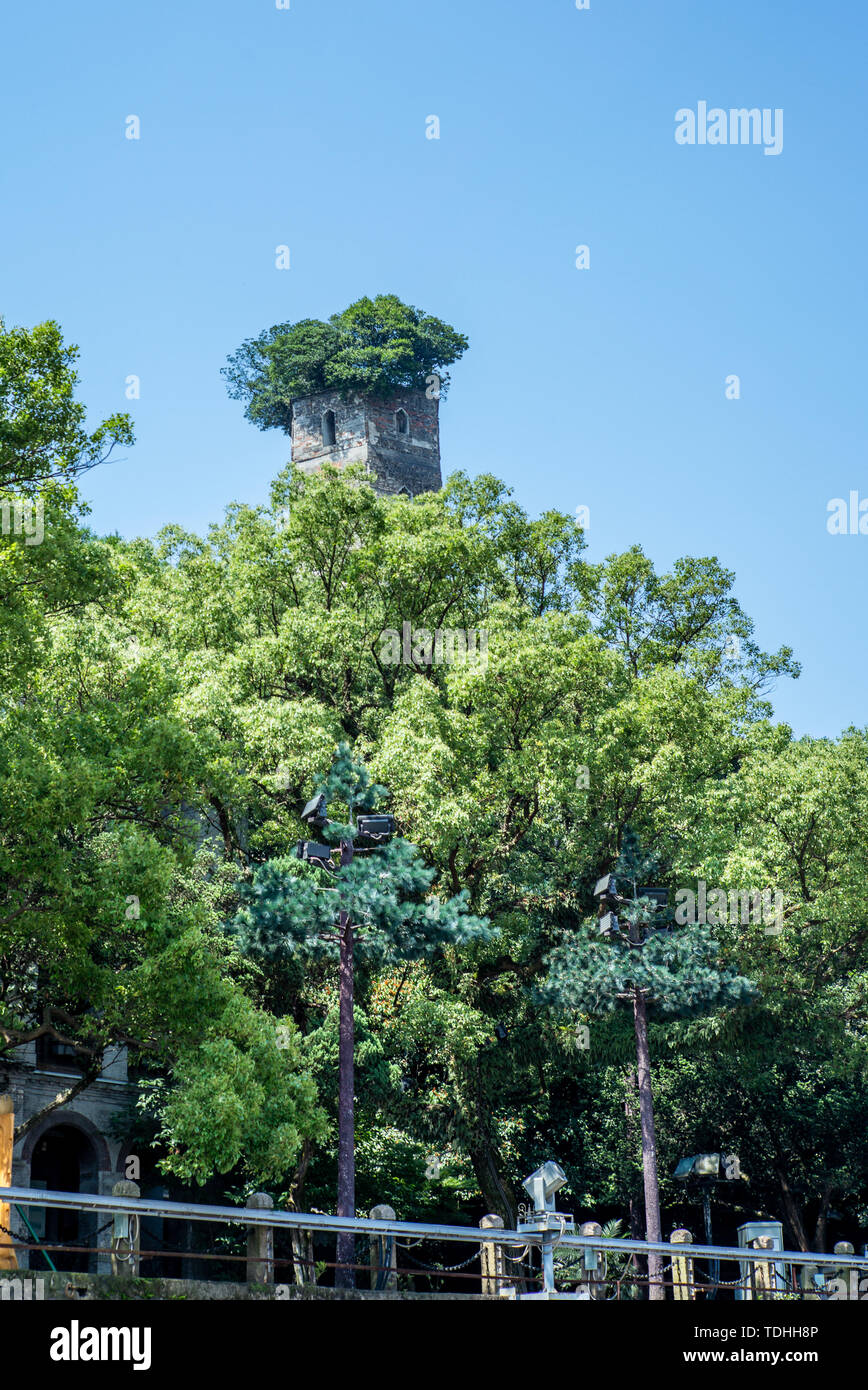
(78, 1288)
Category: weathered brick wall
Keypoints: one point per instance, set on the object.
(409, 460)
(366, 432)
(308, 450)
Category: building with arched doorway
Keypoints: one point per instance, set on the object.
(72, 1148)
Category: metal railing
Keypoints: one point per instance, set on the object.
(405, 1235)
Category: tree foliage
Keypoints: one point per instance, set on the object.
(375, 346)
(167, 707)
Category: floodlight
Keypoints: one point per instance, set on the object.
(376, 827)
(706, 1165)
(660, 896)
(542, 1185)
(606, 887)
(313, 853)
(700, 1166)
(609, 925)
(314, 813)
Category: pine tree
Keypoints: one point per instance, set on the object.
(646, 965)
(372, 905)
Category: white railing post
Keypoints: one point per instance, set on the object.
(764, 1275)
(593, 1272)
(384, 1251)
(491, 1256)
(125, 1234)
(845, 1272)
(683, 1286)
(260, 1243)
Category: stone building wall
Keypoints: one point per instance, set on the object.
(92, 1114)
(308, 450)
(367, 431)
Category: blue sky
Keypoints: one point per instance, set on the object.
(604, 387)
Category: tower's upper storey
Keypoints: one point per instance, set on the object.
(398, 439)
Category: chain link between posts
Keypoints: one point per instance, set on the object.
(435, 1269)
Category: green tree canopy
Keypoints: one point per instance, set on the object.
(375, 346)
(284, 911)
(166, 708)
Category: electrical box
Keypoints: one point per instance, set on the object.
(747, 1234)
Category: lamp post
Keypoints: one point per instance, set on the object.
(376, 828)
(346, 1090)
(643, 965)
(376, 907)
(644, 904)
(706, 1167)
(541, 1187)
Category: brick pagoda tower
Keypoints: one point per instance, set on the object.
(397, 439)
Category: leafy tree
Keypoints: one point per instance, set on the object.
(516, 780)
(369, 909)
(42, 430)
(791, 1083)
(110, 904)
(612, 696)
(49, 565)
(646, 969)
(375, 346)
(242, 1096)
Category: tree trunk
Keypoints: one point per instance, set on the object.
(495, 1194)
(346, 1245)
(822, 1218)
(303, 1268)
(792, 1211)
(656, 1291)
(637, 1262)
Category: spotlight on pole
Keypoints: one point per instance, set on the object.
(376, 827)
(541, 1187)
(312, 853)
(606, 887)
(315, 813)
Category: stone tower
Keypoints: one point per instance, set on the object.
(397, 439)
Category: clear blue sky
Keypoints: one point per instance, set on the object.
(603, 387)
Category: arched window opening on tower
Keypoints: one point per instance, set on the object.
(328, 427)
(402, 422)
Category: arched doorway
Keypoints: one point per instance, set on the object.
(64, 1160)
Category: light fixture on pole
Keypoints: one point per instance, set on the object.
(541, 1187)
(706, 1167)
